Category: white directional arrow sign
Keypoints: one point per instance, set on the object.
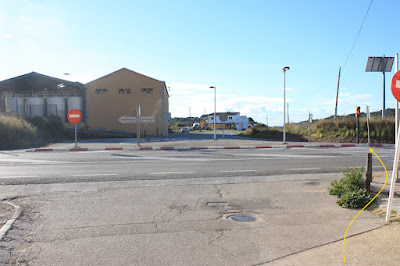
(128, 119)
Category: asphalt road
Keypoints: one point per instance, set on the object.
(173, 207)
(64, 167)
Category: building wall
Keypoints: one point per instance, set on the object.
(120, 93)
(37, 94)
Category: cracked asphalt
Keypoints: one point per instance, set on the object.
(169, 223)
(153, 208)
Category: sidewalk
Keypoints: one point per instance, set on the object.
(376, 247)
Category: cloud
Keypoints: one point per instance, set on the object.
(6, 36)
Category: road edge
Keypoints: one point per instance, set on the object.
(5, 228)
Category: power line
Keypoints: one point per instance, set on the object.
(358, 34)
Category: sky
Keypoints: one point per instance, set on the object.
(240, 47)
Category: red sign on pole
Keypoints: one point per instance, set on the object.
(74, 116)
(396, 86)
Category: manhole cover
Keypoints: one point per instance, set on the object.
(241, 218)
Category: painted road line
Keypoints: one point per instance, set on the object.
(295, 156)
(20, 176)
(236, 171)
(170, 173)
(93, 175)
(304, 169)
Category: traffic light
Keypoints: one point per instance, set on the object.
(358, 111)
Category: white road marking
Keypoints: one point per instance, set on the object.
(93, 175)
(235, 171)
(303, 169)
(32, 161)
(299, 156)
(19, 176)
(169, 173)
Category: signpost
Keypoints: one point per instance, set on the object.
(223, 118)
(395, 86)
(74, 116)
(129, 120)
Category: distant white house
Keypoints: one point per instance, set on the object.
(228, 120)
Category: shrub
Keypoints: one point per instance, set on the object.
(350, 189)
(16, 133)
(355, 199)
(352, 181)
(51, 127)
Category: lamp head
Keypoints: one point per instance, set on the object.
(285, 68)
(212, 87)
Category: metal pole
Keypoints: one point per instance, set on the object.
(288, 113)
(337, 95)
(358, 129)
(215, 113)
(138, 126)
(383, 97)
(369, 137)
(396, 66)
(284, 106)
(393, 184)
(223, 130)
(167, 127)
(76, 136)
(397, 109)
(309, 131)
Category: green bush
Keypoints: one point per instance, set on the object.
(355, 199)
(352, 181)
(49, 127)
(350, 189)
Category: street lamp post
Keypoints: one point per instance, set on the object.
(215, 111)
(284, 103)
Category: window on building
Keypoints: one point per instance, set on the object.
(230, 117)
(211, 118)
(101, 91)
(124, 91)
(147, 90)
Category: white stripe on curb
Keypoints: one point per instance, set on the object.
(7, 226)
(155, 148)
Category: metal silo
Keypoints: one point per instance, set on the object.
(35, 106)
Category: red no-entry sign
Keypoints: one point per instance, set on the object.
(74, 116)
(396, 86)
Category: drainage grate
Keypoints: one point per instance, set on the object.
(241, 218)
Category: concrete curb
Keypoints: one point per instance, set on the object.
(10, 222)
(155, 148)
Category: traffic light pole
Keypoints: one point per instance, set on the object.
(358, 124)
(358, 129)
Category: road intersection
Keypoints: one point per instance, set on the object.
(172, 206)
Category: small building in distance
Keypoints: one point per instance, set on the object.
(227, 120)
(120, 93)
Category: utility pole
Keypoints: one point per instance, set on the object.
(383, 71)
(309, 124)
(288, 113)
(337, 95)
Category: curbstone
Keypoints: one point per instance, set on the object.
(169, 148)
(18, 211)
